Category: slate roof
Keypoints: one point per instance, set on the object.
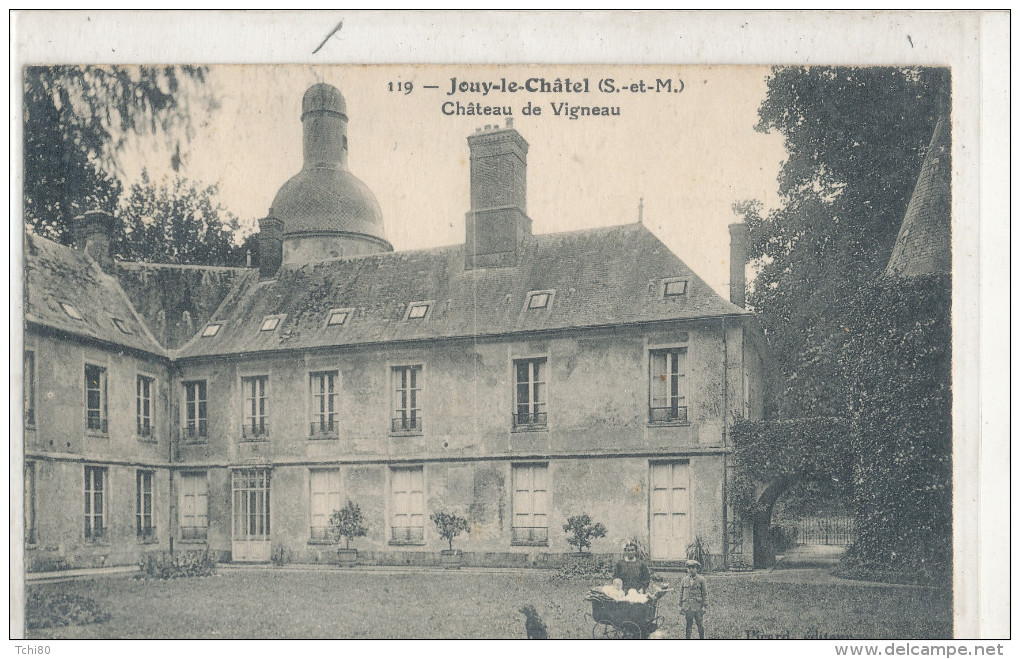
(923, 243)
(55, 273)
(175, 300)
(601, 277)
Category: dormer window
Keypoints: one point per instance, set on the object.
(417, 310)
(121, 326)
(674, 287)
(338, 317)
(210, 330)
(270, 323)
(71, 311)
(540, 299)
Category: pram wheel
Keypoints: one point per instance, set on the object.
(630, 630)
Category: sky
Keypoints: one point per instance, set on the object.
(689, 155)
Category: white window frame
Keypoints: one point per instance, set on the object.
(145, 505)
(325, 494)
(255, 406)
(550, 296)
(193, 517)
(97, 481)
(411, 306)
(347, 313)
(145, 423)
(666, 283)
(324, 402)
(532, 412)
(211, 330)
(102, 388)
(530, 504)
(407, 391)
(29, 388)
(671, 405)
(407, 505)
(195, 426)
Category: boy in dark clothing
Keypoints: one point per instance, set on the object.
(632, 572)
(694, 598)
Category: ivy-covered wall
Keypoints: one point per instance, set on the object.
(896, 364)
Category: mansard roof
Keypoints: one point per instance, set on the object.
(598, 277)
(58, 277)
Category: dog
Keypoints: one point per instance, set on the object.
(533, 623)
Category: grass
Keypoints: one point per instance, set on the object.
(274, 603)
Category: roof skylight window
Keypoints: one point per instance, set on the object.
(210, 330)
(539, 299)
(674, 287)
(270, 323)
(417, 311)
(338, 317)
(121, 325)
(71, 311)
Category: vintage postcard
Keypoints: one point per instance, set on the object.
(332, 347)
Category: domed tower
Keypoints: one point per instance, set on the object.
(326, 211)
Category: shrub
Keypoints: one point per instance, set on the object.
(450, 525)
(347, 523)
(740, 563)
(59, 609)
(699, 551)
(48, 563)
(280, 555)
(589, 567)
(164, 565)
(582, 531)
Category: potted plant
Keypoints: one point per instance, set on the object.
(450, 525)
(582, 530)
(347, 523)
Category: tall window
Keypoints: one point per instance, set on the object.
(95, 398)
(144, 390)
(194, 513)
(668, 385)
(95, 503)
(255, 419)
(529, 392)
(195, 419)
(407, 381)
(143, 505)
(30, 503)
(324, 415)
(29, 387)
(251, 504)
(531, 500)
(325, 498)
(407, 502)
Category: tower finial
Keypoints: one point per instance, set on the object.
(641, 210)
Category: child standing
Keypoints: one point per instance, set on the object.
(694, 598)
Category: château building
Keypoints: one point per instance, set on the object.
(516, 379)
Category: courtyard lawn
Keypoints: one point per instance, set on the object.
(289, 603)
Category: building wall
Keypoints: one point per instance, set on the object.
(58, 446)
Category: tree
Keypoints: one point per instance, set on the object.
(348, 523)
(177, 221)
(856, 138)
(77, 119)
(582, 531)
(449, 525)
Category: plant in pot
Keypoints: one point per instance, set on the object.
(347, 523)
(450, 525)
(582, 530)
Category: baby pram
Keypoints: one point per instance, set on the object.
(621, 619)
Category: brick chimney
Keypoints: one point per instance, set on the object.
(91, 233)
(270, 246)
(739, 244)
(498, 222)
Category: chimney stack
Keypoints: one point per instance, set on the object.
(270, 247)
(498, 222)
(91, 234)
(739, 245)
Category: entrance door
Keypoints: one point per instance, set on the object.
(251, 515)
(669, 505)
